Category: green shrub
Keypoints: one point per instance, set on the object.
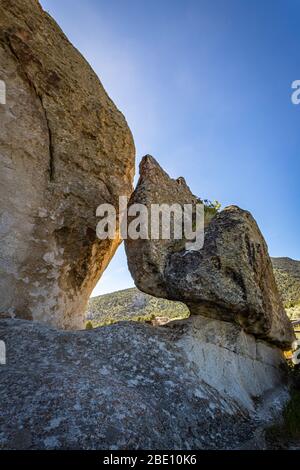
(289, 429)
(292, 304)
(89, 325)
(291, 415)
(213, 206)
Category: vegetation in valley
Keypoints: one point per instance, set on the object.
(287, 274)
(287, 433)
(132, 304)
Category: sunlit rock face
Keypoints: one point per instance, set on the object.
(193, 384)
(231, 278)
(64, 149)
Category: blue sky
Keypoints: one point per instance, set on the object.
(205, 86)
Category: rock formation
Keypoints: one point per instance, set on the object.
(64, 149)
(230, 278)
(195, 384)
(210, 381)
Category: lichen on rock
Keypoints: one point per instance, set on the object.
(231, 278)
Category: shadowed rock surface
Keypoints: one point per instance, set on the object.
(195, 384)
(64, 149)
(230, 278)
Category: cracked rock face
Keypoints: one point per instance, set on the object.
(64, 149)
(231, 278)
(196, 384)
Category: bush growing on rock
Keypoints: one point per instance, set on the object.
(89, 325)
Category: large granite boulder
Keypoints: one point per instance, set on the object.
(194, 384)
(230, 278)
(64, 149)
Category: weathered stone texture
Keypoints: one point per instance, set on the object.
(196, 384)
(64, 149)
(231, 278)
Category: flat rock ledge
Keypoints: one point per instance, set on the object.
(194, 384)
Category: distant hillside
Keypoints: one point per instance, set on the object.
(287, 274)
(132, 304)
